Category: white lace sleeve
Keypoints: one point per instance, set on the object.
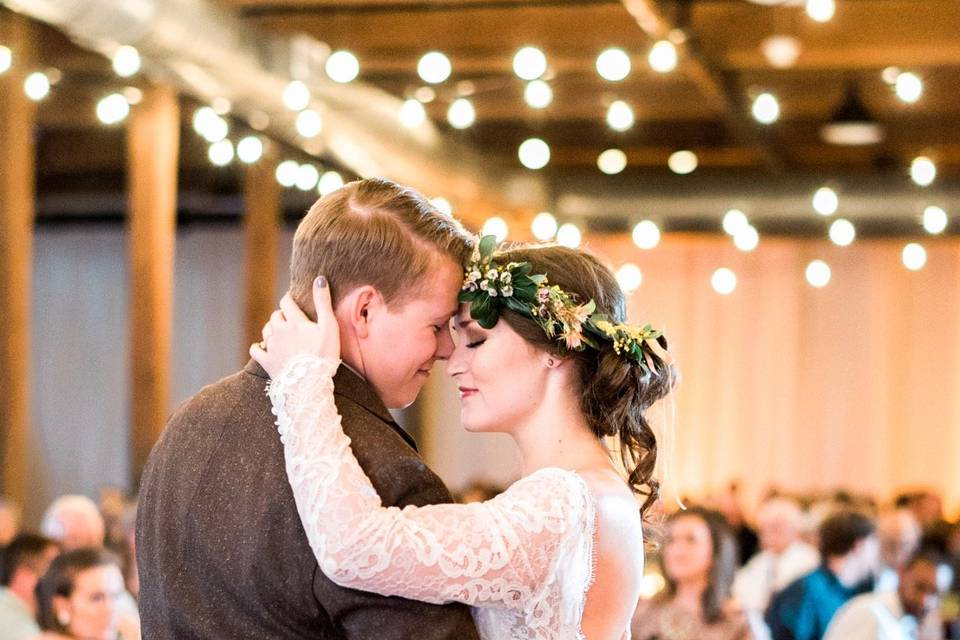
(500, 553)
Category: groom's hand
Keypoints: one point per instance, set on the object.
(290, 333)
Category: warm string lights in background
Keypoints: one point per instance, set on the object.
(530, 65)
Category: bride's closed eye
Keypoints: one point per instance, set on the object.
(476, 343)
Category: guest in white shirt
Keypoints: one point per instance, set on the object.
(783, 557)
(899, 532)
(24, 561)
(894, 615)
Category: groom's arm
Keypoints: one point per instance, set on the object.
(401, 478)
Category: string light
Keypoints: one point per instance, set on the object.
(309, 123)
(818, 274)
(923, 171)
(37, 86)
(434, 67)
(914, 256)
(461, 114)
(629, 277)
(250, 149)
(619, 116)
(663, 57)
(296, 96)
(724, 281)
(342, 67)
(112, 109)
(746, 238)
(534, 153)
(646, 234)
(412, 114)
(613, 64)
(683, 162)
(307, 177)
(544, 226)
(612, 161)
(826, 201)
(734, 220)
(126, 61)
(529, 63)
(934, 220)
(842, 232)
(766, 108)
(329, 182)
(6, 59)
(496, 226)
(538, 94)
(443, 205)
(821, 10)
(908, 87)
(221, 153)
(287, 173)
(568, 235)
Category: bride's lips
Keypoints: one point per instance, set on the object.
(466, 392)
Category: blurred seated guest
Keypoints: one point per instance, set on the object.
(699, 558)
(730, 505)
(897, 614)
(899, 534)
(24, 560)
(928, 507)
(74, 522)
(9, 520)
(850, 553)
(783, 558)
(79, 597)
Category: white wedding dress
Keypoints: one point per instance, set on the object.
(523, 560)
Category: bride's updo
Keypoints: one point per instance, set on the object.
(614, 392)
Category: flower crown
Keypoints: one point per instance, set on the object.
(489, 287)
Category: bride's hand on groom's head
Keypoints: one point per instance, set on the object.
(290, 333)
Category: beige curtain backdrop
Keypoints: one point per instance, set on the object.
(856, 385)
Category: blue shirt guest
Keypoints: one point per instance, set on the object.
(850, 552)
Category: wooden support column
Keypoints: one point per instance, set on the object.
(153, 136)
(17, 188)
(262, 217)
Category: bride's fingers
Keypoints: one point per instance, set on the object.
(321, 300)
(291, 310)
(257, 353)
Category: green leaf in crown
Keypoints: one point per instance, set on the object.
(489, 288)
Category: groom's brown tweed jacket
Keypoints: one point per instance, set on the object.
(221, 550)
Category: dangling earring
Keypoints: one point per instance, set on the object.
(550, 362)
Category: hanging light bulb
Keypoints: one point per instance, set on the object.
(497, 227)
(544, 226)
(766, 108)
(342, 67)
(113, 109)
(529, 63)
(619, 116)
(534, 153)
(821, 10)
(734, 220)
(412, 114)
(646, 234)
(221, 153)
(538, 94)
(746, 239)
(461, 114)
(443, 205)
(309, 123)
(37, 86)
(296, 96)
(724, 281)
(842, 232)
(307, 176)
(908, 87)
(683, 162)
(914, 256)
(923, 171)
(434, 67)
(250, 149)
(6, 59)
(935, 220)
(826, 201)
(613, 64)
(329, 182)
(568, 235)
(126, 61)
(287, 173)
(612, 161)
(818, 274)
(629, 277)
(663, 57)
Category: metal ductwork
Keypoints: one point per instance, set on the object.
(208, 54)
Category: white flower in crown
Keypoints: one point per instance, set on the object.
(505, 277)
(492, 274)
(507, 291)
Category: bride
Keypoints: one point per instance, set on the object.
(541, 354)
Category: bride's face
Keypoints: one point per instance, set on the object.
(500, 376)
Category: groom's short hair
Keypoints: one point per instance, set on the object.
(372, 232)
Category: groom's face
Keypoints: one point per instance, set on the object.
(406, 338)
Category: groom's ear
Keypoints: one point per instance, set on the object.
(357, 307)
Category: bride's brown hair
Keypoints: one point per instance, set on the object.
(614, 392)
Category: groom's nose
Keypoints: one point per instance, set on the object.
(444, 345)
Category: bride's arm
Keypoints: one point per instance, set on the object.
(497, 552)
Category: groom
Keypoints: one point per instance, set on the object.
(221, 550)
